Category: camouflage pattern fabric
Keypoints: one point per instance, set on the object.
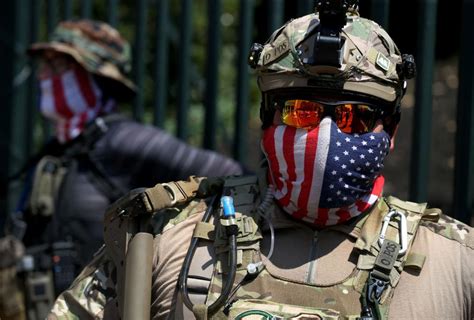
(96, 46)
(94, 292)
(11, 297)
(369, 61)
(88, 294)
(452, 229)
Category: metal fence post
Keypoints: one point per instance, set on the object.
(161, 62)
(67, 9)
(52, 15)
(139, 57)
(464, 163)
(420, 152)
(242, 110)
(212, 74)
(380, 12)
(86, 9)
(304, 7)
(14, 26)
(184, 60)
(275, 19)
(112, 8)
(32, 95)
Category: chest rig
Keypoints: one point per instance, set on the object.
(241, 287)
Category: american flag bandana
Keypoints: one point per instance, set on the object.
(70, 100)
(325, 176)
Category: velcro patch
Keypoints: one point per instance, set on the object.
(276, 51)
(382, 61)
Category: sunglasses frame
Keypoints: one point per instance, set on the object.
(330, 109)
(274, 100)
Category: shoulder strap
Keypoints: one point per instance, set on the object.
(385, 249)
(82, 148)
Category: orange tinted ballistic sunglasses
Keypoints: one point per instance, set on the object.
(350, 116)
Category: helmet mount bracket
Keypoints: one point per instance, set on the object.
(328, 43)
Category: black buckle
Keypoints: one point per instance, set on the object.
(375, 288)
(130, 205)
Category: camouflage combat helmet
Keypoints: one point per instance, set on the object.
(96, 46)
(332, 52)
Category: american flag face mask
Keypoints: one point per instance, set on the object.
(323, 175)
(70, 100)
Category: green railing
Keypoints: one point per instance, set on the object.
(25, 21)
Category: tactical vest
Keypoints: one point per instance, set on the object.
(384, 239)
(242, 287)
(51, 171)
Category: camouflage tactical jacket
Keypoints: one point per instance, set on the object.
(309, 274)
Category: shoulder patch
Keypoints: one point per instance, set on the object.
(452, 229)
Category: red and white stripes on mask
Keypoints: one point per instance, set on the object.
(71, 100)
(324, 176)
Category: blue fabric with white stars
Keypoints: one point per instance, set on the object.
(353, 163)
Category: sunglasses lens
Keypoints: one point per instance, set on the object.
(349, 117)
(355, 118)
(302, 113)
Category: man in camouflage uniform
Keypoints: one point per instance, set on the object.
(312, 236)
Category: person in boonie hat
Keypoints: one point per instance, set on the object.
(83, 73)
(97, 154)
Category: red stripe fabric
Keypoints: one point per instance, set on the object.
(343, 215)
(85, 85)
(288, 152)
(286, 157)
(60, 104)
(83, 120)
(363, 205)
(309, 158)
(70, 100)
(269, 145)
(322, 217)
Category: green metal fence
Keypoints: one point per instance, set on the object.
(25, 21)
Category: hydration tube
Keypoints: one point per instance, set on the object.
(232, 230)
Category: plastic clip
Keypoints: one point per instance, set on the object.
(228, 210)
(228, 206)
(403, 235)
(375, 288)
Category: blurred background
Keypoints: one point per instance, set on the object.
(190, 64)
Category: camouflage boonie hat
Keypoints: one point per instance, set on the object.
(96, 46)
(369, 60)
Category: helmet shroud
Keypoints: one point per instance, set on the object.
(369, 68)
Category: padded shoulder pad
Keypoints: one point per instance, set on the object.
(452, 229)
(160, 205)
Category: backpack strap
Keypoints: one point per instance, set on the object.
(385, 245)
(82, 150)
